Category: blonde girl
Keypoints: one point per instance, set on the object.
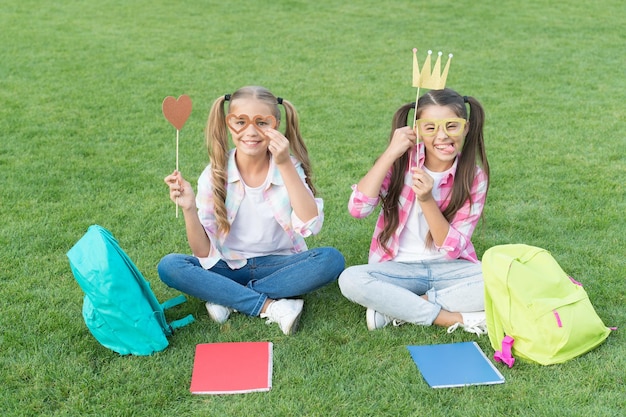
(254, 206)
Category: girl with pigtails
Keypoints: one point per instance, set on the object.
(254, 206)
(432, 182)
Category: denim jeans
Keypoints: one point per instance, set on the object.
(394, 288)
(246, 289)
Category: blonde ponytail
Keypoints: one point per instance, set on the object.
(217, 147)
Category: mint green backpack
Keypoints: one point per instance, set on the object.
(535, 311)
(119, 308)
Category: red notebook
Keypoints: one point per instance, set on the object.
(232, 368)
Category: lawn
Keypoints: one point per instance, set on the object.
(84, 142)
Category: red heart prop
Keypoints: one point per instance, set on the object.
(177, 111)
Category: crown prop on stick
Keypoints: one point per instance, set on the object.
(434, 80)
(426, 78)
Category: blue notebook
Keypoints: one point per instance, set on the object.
(454, 365)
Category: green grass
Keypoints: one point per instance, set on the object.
(84, 142)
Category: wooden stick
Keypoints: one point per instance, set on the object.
(177, 168)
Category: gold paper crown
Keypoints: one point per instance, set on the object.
(426, 79)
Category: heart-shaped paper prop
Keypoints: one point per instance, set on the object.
(177, 111)
(240, 122)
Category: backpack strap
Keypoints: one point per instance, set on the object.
(173, 302)
(177, 324)
(505, 355)
(529, 253)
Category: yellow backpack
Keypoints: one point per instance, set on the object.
(534, 310)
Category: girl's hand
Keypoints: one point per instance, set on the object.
(422, 184)
(180, 191)
(403, 139)
(278, 146)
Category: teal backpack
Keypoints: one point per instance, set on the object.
(534, 310)
(119, 307)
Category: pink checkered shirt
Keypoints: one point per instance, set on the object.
(457, 244)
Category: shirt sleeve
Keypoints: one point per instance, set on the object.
(204, 202)
(311, 227)
(361, 205)
(458, 240)
(314, 225)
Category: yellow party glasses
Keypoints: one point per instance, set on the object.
(452, 127)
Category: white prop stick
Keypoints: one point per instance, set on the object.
(177, 111)
(417, 97)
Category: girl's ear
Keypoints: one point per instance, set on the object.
(466, 130)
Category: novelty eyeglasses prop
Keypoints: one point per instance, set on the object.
(240, 122)
(452, 127)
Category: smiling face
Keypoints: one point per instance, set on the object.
(247, 120)
(443, 134)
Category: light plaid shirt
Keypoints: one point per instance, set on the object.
(275, 195)
(457, 243)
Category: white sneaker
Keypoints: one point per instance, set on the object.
(472, 323)
(286, 312)
(218, 313)
(376, 320)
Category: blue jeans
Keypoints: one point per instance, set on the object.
(394, 288)
(246, 289)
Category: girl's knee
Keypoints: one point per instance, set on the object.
(167, 266)
(349, 282)
(332, 259)
(336, 260)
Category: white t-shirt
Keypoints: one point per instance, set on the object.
(255, 231)
(413, 237)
